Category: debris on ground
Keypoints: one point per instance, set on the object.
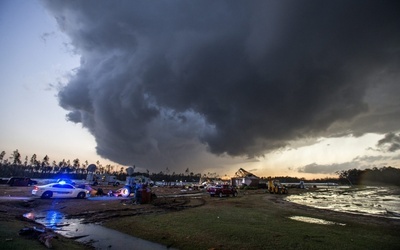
(43, 235)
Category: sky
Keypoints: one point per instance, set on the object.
(296, 88)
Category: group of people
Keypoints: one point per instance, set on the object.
(140, 189)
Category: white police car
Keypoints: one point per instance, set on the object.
(59, 190)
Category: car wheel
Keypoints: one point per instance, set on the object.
(220, 195)
(47, 195)
(81, 195)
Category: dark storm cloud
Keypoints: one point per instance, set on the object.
(390, 143)
(160, 80)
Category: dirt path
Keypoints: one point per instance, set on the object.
(16, 201)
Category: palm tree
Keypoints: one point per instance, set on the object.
(108, 167)
(55, 166)
(76, 165)
(26, 161)
(33, 159)
(62, 163)
(46, 160)
(2, 154)
(17, 157)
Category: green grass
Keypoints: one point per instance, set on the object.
(249, 222)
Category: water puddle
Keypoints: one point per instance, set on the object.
(96, 235)
(9, 198)
(377, 201)
(315, 220)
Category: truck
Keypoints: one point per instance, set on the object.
(102, 179)
(222, 190)
(275, 187)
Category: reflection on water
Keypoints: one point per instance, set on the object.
(96, 235)
(315, 220)
(378, 201)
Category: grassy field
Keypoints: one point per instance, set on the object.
(252, 222)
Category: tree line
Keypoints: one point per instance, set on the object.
(385, 175)
(35, 168)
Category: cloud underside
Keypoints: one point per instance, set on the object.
(161, 81)
(365, 162)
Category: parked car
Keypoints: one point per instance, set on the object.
(21, 181)
(3, 181)
(58, 190)
(222, 190)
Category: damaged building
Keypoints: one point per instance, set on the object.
(245, 178)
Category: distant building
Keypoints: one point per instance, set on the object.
(245, 178)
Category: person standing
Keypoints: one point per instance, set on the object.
(138, 193)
